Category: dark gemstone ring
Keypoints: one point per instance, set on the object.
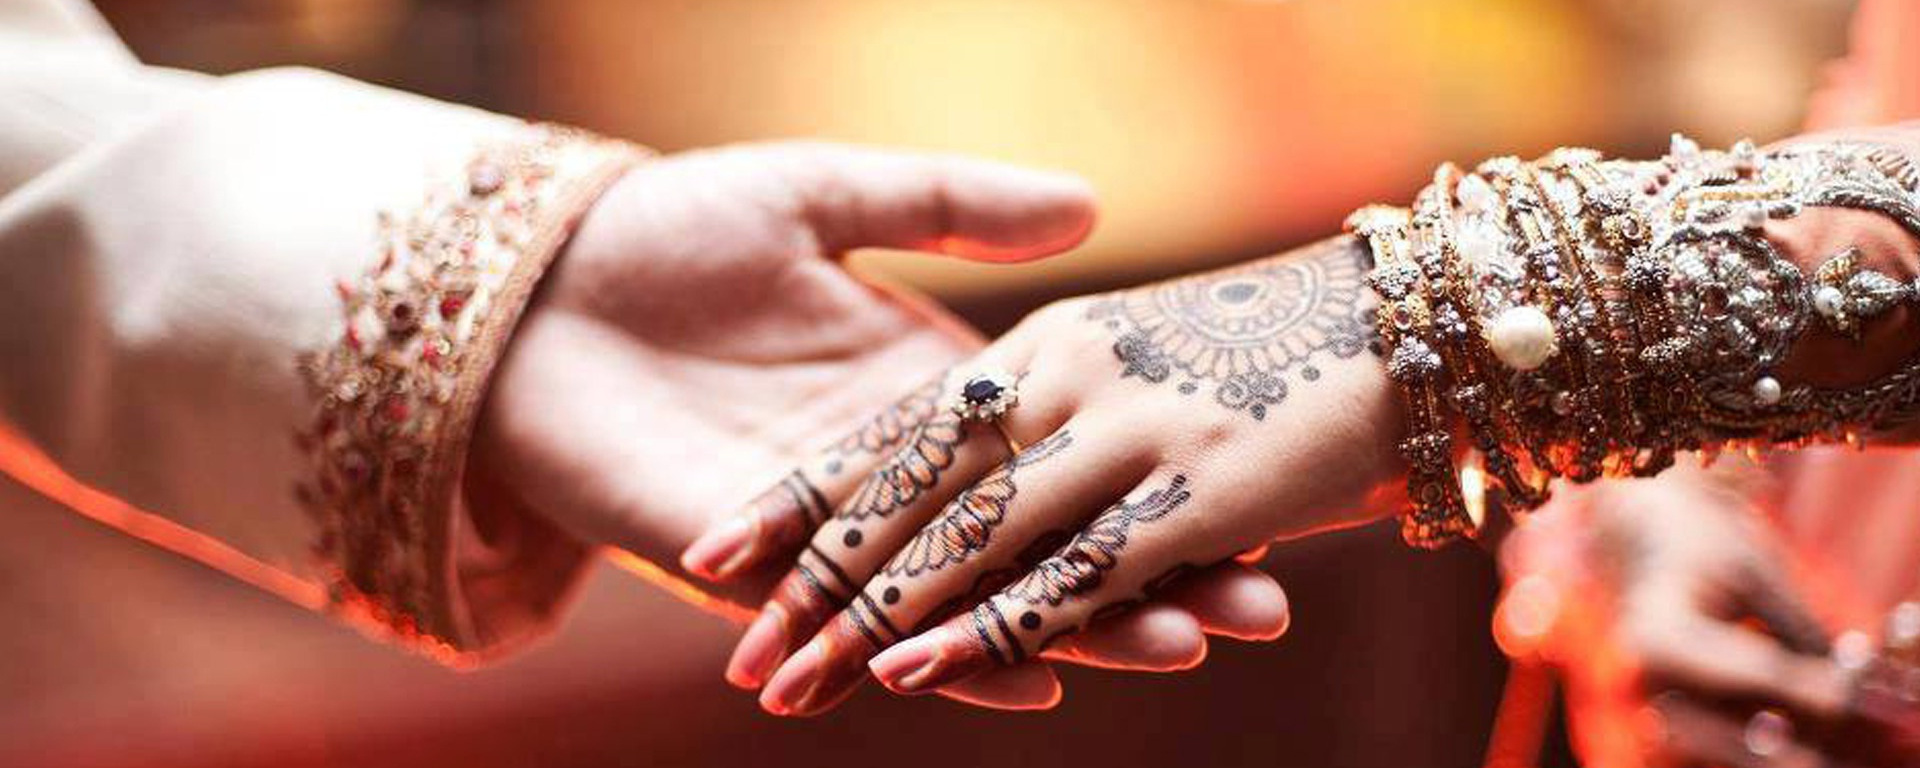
(986, 395)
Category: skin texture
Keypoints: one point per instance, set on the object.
(1171, 417)
(699, 337)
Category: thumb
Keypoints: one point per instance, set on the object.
(853, 197)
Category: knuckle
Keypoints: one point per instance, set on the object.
(1056, 321)
(803, 600)
(1203, 436)
(1214, 434)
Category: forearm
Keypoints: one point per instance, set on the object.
(203, 316)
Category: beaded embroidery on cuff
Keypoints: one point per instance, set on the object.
(396, 393)
(1585, 318)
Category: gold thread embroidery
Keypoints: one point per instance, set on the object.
(396, 392)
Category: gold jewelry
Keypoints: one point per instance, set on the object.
(1608, 314)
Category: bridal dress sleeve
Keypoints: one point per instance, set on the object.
(264, 307)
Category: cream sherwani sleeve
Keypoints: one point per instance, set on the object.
(264, 306)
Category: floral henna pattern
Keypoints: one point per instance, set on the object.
(913, 470)
(1237, 331)
(886, 431)
(967, 524)
(1080, 566)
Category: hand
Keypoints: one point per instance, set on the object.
(1167, 429)
(699, 334)
(1691, 597)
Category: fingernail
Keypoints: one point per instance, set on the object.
(759, 651)
(911, 667)
(721, 551)
(904, 668)
(794, 684)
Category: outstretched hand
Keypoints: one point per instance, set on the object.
(699, 335)
(1691, 641)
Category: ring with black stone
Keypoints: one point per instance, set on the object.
(986, 395)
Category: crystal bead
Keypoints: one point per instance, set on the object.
(1683, 148)
(1478, 245)
(1476, 195)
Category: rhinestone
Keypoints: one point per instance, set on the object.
(1476, 195)
(1412, 360)
(1682, 148)
(485, 179)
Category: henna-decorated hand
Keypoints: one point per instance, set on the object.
(699, 334)
(1167, 429)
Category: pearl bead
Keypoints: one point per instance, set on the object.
(1828, 300)
(1522, 337)
(1766, 389)
(1562, 403)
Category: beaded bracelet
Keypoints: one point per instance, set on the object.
(1591, 318)
(1438, 511)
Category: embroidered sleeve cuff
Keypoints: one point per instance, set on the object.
(395, 396)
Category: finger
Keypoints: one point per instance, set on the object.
(1152, 637)
(945, 455)
(1169, 631)
(1126, 552)
(1029, 686)
(1692, 734)
(985, 538)
(1731, 661)
(1233, 600)
(1775, 600)
(942, 456)
(776, 523)
(854, 198)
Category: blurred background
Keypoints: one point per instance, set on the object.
(1214, 130)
